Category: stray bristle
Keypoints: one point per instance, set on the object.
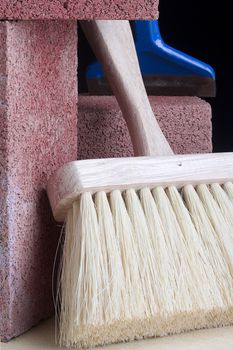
(146, 263)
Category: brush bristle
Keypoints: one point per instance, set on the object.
(228, 187)
(146, 263)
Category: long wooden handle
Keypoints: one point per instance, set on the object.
(113, 44)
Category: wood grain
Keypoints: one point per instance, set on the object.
(77, 177)
(113, 44)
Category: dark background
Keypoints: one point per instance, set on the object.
(203, 29)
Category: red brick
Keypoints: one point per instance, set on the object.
(186, 122)
(38, 112)
(78, 9)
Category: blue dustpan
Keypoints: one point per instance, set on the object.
(165, 70)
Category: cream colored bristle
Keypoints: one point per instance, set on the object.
(146, 255)
(164, 266)
(228, 187)
(206, 287)
(67, 311)
(133, 298)
(208, 235)
(223, 231)
(82, 280)
(224, 202)
(145, 263)
(184, 297)
(113, 276)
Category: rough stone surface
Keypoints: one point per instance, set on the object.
(78, 9)
(102, 132)
(38, 112)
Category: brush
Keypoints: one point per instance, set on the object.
(148, 240)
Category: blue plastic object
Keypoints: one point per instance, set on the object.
(165, 70)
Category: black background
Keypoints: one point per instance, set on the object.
(203, 29)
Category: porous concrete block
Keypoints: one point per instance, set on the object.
(102, 131)
(79, 9)
(38, 133)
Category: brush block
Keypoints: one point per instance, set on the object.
(109, 174)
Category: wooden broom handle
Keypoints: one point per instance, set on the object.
(113, 44)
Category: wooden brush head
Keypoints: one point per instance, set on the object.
(106, 175)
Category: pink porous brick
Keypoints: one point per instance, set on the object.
(78, 9)
(38, 133)
(102, 132)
